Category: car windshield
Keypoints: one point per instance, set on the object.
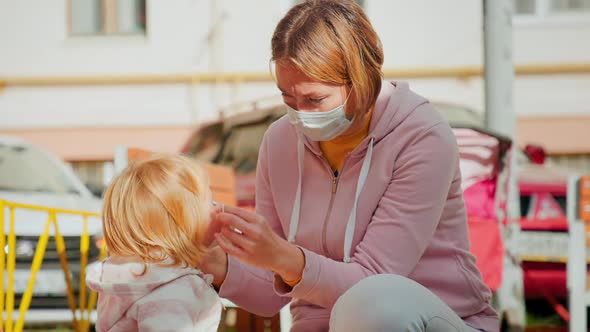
(527, 203)
(241, 146)
(23, 168)
(206, 144)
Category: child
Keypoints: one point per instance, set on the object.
(155, 217)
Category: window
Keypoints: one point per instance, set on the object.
(559, 6)
(551, 9)
(526, 7)
(205, 144)
(107, 17)
(240, 149)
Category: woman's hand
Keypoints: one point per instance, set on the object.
(248, 237)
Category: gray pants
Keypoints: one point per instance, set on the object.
(387, 303)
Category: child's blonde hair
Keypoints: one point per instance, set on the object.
(157, 209)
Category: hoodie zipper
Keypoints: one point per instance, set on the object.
(335, 179)
(325, 228)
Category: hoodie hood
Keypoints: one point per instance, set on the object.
(121, 281)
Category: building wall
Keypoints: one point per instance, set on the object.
(183, 36)
(190, 36)
(449, 33)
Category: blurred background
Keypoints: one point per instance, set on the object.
(79, 78)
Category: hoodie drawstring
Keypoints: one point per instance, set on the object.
(351, 224)
(297, 205)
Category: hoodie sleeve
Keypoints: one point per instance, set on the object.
(401, 228)
(250, 287)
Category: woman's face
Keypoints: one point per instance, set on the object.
(305, 94)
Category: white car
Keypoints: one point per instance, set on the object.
(30, 175)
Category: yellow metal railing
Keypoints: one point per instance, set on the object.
(86, 306)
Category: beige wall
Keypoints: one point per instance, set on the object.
(88, 144)
(557, 134)
(182, 38)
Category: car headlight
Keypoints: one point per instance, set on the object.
(23, 249)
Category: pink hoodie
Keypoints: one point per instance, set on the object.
(403, 214)
(163, 299)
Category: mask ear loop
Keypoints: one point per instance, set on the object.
(272, 70)
(217, 204)
(355, 115)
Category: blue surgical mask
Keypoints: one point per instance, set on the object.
(320, 126)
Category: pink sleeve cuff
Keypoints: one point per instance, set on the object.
(232, 280)
(309, 279)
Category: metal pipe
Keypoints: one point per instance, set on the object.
(499, 70)
(500, 117)
(464, 72)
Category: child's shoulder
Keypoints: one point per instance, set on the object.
(192, 278)
(182, 284)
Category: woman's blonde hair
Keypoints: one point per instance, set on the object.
(332, 41)
(158, 209)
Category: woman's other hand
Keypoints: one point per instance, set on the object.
(248, 237)
(215, 264)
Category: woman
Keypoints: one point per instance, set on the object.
(359, 216)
